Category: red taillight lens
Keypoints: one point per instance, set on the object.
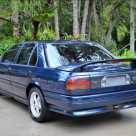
(78, 83)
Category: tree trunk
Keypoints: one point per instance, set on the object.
(15, 30)
(79, 15)
(101, 31)
(111, 18)
(89, 19)
(35, 29)
(95, 15)
(0, 19)
(75, 18)
(83, 29)
(100, 15)
(101, 28)
(56, 22)
(15, 21)
(132, 22)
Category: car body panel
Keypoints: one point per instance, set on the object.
(74, 103)
(93, 111)
(20, 75)
(5, 78)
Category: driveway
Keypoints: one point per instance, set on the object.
(16, 121)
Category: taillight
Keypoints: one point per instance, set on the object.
(78, 83)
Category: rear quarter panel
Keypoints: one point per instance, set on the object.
(55, 81)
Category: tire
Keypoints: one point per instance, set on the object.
(37, 106)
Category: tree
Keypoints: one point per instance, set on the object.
(56, 21)
(0, 20)
(100, 16)
(37, 12)
(95, 14)
(79, 15)
(114, 7)
(89, 19)
(75, 18)
(15, 19)
(132, 26)
(83, 28)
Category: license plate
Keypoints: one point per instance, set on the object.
(116, 80)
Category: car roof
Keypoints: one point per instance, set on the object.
(58, 41)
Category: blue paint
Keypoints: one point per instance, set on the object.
(52, 82)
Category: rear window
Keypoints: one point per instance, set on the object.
(65, 54)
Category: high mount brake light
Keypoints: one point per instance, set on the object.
(78, 83)
(119, 60)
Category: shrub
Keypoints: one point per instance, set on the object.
(112, 45)
(7, 43)
(126, 54)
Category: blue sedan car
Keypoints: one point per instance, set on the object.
(69, 77)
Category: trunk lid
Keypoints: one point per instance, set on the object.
(116, 76)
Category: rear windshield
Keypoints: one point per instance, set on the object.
(65, 54)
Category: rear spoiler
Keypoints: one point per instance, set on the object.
(78, 68)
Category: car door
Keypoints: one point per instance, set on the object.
(21, 72)
(5, 67)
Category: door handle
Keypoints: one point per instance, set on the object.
(8, 69)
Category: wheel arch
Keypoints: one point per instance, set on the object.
(32, 84)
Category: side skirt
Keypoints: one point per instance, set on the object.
(20, 99)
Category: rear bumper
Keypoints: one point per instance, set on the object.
(90, 104)
(93, 111)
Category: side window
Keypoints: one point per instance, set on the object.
(25, 54)
(33, 59)
(10, 55)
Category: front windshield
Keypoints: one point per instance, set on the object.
(65, 54)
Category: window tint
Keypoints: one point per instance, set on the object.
(65, 54)
(11, 54)
(33, 59)
(25, 54)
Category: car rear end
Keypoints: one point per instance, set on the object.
(95, 82)
(111, 84)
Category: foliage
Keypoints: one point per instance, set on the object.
(7, 43)
(33, 6)
(42, 11)
(65, 12)
(6, 29)
(127, 54)
(41, 14)
(49, 12)
(65, 36)
(71, 37)
(41, 17)
(112, 45)
(5, 14)
(121, 33)
(47, 33)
